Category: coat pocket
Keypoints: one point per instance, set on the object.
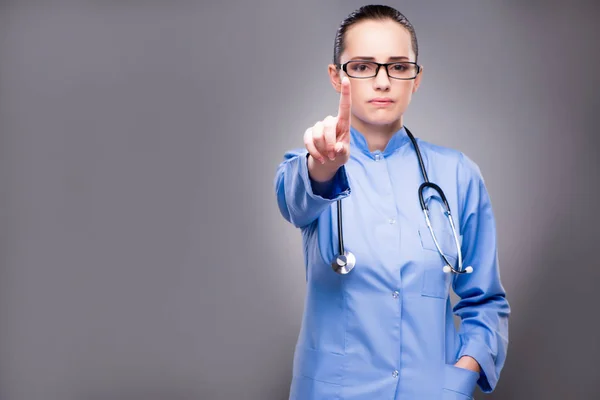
(445, 239)
(317, 375)
(436, 282)
(304, 388)
(459, 383)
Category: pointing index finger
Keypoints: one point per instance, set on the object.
(345, 102)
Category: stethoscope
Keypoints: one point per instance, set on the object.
(345, 261)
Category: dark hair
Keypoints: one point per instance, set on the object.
(371, 12)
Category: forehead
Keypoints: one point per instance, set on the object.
(379, 39)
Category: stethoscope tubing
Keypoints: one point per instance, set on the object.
(345, 260)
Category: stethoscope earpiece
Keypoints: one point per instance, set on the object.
(447, 269)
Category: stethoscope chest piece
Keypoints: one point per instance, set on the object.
(344, 263)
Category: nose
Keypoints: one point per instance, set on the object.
(382, 80)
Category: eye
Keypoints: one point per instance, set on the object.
(361, 67)
(400, 67)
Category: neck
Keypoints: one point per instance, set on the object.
(377, 136)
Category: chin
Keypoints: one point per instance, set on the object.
(379, 117)
(384, 119)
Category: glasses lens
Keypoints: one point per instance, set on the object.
(402, 70)
(361, 69)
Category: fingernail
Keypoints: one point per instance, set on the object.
(331, 156)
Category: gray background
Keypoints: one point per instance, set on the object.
(142, 252)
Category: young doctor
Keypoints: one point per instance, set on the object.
(378, 320)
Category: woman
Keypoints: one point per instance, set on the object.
(384, 329)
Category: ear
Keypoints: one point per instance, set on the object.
(418, 80)
(335, 77)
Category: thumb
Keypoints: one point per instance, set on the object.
(342, 148)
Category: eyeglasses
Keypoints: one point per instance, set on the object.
(368, 69)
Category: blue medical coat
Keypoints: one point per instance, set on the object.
(386, 329)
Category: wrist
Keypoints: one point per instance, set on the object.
(468, 363)
(321, 172)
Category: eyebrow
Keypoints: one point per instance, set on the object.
(395, 58)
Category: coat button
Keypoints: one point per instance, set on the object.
(396, 294)
(395, 374)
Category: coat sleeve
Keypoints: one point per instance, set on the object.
(483, 307)
(300, 199)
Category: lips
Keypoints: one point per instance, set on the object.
(381, 101)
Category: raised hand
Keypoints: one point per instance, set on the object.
(328, 141)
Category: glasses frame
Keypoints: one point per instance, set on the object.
(344, 67)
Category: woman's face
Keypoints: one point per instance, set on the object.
(383, 41)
